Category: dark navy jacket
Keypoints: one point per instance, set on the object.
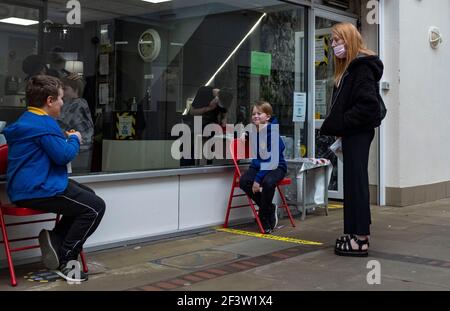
(356, 102)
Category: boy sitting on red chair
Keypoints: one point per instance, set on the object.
(269, 166)
(37, 176)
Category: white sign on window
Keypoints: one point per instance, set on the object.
(320, 49)
(299, 114)
(321, 98)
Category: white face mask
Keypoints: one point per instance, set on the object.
(340, 51)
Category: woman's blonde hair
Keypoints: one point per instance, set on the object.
(354, 45)
(263, 106)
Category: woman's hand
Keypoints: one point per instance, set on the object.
(256, 187)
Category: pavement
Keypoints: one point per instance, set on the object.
(409, 250)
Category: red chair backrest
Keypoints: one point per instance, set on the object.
(239, 150)
(3, 158)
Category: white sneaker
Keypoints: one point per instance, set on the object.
(274, 218)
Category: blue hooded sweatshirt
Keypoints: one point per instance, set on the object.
(259, 150)
(38, 154)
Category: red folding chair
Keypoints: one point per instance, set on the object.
(13, 210)
(239, 151)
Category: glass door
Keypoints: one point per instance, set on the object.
(323, 85)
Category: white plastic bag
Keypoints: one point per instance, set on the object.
(337, 149)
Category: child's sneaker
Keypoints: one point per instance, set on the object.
(66, 272)
(274, 217)
(48, 250)
(266, 224)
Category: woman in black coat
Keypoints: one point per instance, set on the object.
(354, 114)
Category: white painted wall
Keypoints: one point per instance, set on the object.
(424, 94)
(204, 198)
(418, 129)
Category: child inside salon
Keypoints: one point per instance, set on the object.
(260, 181)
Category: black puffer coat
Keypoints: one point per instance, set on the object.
(356, 103)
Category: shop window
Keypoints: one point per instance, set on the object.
(132, 70)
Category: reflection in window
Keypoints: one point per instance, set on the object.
(132, 70)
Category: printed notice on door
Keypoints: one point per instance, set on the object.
(299, 114)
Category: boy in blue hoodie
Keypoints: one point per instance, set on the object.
(268, 167)
(37, 177)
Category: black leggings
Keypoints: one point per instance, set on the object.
(355, 148)
(82, 211)
(263, 199)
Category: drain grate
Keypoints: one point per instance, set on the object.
(198, 260)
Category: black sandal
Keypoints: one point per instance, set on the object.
(347, 238)
(345, 249)
(344, 239)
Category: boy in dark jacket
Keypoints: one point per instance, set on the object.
(37, 176)
(268, 168)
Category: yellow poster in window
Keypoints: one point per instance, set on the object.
(322, 49)
(125, 125)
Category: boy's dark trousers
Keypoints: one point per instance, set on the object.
(262, 199)
(82, 211)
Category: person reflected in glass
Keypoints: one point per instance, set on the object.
(212, 105)
(75, 114)
(34, 65)
(354, 114)
(57, 66)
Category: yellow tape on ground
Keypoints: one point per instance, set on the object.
(335, 206)
(269, 237)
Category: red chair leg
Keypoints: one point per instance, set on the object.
(285, 206)
(8, 251)
(255, 212)
(227, 216)
(83, 262)
(230, 201)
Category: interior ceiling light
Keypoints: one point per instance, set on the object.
(156, 1)
(19, 21)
